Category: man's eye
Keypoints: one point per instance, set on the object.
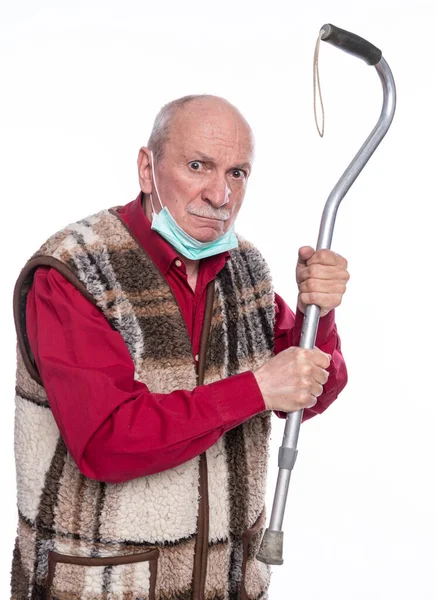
(195, 165)
(238, 173)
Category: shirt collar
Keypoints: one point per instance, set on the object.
(158, 249)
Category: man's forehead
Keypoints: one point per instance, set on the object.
(210, 131)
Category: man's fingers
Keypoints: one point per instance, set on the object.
(313, 402)
(318, 271)
(317, 390)
(322, 286)
(321, 375)
(325, 300)
(321, 359)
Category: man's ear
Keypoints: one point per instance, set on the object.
(144, 170)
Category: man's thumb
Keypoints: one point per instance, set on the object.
(304, 253)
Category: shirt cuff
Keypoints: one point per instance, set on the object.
(238, 398)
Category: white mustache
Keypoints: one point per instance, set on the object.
(220, 214)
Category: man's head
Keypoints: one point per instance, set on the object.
(203, 153)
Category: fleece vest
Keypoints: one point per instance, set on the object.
(191, 532)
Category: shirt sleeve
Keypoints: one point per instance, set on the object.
(113, 426)
(287, 333)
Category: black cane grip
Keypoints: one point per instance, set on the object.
(351, 43)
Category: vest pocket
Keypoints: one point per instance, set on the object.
(255, 574)
(88, 578)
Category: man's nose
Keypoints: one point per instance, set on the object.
(217, 193)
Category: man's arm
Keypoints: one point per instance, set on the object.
(113, 426)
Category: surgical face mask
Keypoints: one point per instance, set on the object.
(165, 224)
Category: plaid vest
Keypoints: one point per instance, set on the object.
(190, 532)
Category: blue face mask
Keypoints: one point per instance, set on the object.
(165, 224)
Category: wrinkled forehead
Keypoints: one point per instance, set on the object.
(215, 130)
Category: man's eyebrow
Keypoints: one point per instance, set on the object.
(204, 157)
(209, 159)
(245, 165)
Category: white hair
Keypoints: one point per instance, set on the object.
(162, 123)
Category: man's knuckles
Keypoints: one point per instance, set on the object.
(305, 383)
(306, 370)
(323, 285)
(316, 271)
(305, 359)
(311, 285)
(297, 354)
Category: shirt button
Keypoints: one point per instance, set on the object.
(178, 263)
(196, 358)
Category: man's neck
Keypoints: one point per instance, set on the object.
(191, 265)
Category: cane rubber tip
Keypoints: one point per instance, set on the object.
(271, 548)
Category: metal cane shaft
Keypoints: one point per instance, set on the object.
(271, 550)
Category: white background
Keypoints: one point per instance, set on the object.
(81, 83)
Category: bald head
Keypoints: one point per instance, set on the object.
(184, 115)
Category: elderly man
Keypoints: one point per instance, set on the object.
(151, 352)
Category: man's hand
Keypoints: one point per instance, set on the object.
(322, 278)
(293, 379)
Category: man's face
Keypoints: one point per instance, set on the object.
(203, 173)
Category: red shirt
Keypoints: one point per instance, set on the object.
(113, 426)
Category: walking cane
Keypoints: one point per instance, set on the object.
(271, 549)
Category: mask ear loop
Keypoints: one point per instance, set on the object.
(317, 86)
(155, 185)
